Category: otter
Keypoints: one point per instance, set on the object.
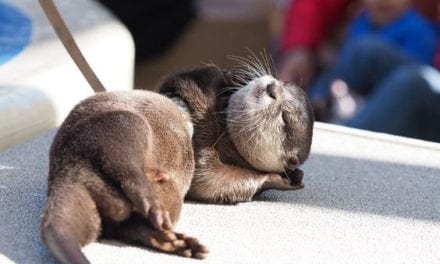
(120, 166)
(251, 131)
(122, 162)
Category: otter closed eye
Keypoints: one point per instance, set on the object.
(263, 121)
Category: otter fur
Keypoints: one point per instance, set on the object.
(122, 162)
(251, 131)
(120, 167)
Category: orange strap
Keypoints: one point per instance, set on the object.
(69, 43)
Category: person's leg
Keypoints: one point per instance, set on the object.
(402, 104)
(362, 65)
(431, 128)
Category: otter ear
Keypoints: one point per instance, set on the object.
(293, 163)
(232, 78)
(229, 77)
(161, 177)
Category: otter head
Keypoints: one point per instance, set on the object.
(270, 123)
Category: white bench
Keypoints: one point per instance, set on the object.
(40, 85)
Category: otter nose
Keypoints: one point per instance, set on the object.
(273, 90)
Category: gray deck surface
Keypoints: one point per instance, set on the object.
(368, 199)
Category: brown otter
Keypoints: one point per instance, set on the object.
(120, 166)
(122, 162)
(250, 130)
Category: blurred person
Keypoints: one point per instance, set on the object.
(402, 96)
(312, 31)
(396, 22)
(391, 23)
(307, 29)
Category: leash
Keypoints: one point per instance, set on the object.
(69, 43)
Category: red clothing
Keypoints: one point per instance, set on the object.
(308, 22)
(315, 17)
(429, 8)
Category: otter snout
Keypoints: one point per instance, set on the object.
(274, 91)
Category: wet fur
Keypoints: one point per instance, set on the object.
(120, 166)
(222, 173)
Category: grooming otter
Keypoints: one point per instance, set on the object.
(247, 137)
(122, 163)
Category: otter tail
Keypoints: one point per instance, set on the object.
(70, 221)
(63, 244)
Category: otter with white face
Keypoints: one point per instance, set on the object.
(251, 131)
(270, 123)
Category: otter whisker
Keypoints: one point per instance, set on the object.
(254, 66)
(250, 120)
(258, 66)
(274, 69)
(253, 69)
(253, 134)
(268, 62)
(240, 121)
(237, 111)
(242, 118)
(246, 129)
(256, 60)
(227, 89)
(249, 70)
(245, 113)
(242, 76)
(239, 80)
(254, 121)
(218, 139)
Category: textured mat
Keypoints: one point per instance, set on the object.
(369, 198)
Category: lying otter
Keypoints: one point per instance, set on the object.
(250, 130)
(120, 166)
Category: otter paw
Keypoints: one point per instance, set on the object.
(290, 180)
(278, 182)
(179, 244)
(295, 177)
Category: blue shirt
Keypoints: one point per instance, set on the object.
(411, 33)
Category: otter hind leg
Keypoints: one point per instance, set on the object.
(139, 231)
(112, 203)
(139, 192)
(125, 152)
